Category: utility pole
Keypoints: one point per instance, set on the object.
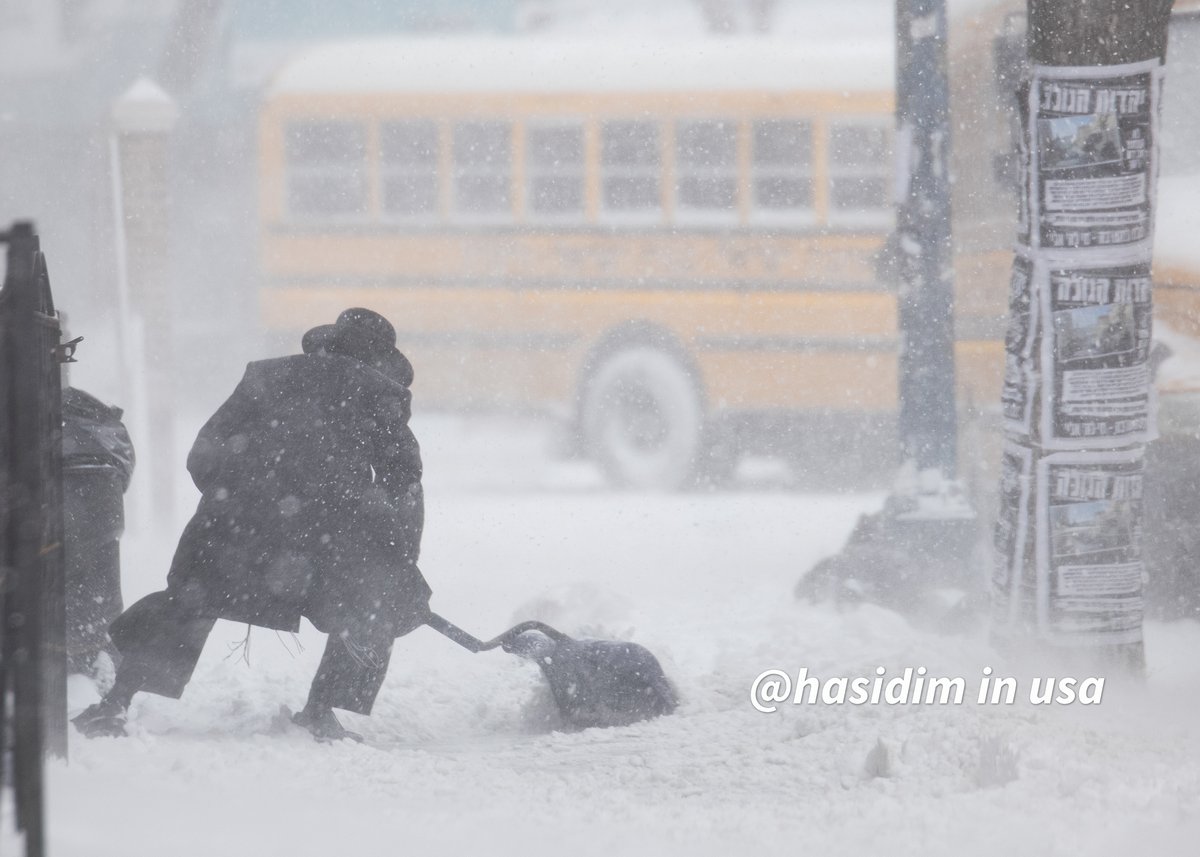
(925, 535)
(1076, 400)
(928, 418)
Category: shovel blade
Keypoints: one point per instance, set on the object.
(605, 683)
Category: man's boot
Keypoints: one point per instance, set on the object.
(319, 720)
(104, 719)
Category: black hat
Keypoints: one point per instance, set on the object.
(365, 331)
(364, 335)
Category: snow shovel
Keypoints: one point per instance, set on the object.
(593, 682)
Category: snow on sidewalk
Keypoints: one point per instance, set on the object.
(459, 759)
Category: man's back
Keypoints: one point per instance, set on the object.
(305, 426)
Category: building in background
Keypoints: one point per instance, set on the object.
(63, 63)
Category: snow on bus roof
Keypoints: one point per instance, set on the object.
(473, 65)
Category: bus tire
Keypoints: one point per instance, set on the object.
(643, 419)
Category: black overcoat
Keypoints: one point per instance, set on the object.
(311, 503)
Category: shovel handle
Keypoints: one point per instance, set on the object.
(448, 629)
(473, 644)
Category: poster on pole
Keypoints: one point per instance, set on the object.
(1014, 583)
(1088, 547)
(1019, 388)
(1096, 349)
(1091, 161)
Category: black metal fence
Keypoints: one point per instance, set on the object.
(33, 708)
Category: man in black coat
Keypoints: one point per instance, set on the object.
(311, 506)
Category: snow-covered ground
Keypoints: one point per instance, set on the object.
(460, 759)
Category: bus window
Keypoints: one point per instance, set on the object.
(860, 174)
(706, 170)
(554, 169)
(782, 164)
(630, 164)
(408, 160)
(483, 170)
(326, 169)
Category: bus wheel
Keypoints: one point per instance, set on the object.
(642, 419)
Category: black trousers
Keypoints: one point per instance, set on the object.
(160, 641)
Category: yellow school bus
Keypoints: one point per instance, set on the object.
(671, 249)
(675, 248)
